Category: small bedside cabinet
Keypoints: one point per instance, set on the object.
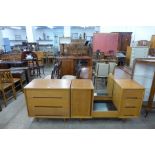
(128, 97)
(81, 98)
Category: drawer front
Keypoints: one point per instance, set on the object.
(131, 103)
(47, 93)
(48, 101)
(130, 112)
(50, 111)
(48, 98)
(133, 94)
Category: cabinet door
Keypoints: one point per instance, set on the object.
(81, 101)
(67, 67)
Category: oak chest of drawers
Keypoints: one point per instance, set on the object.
(127, 97)
(48, 98)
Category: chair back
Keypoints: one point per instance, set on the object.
(112, 66)
(102, 69)
(6, 76)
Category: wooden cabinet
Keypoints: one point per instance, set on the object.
(81, 98)
(60, 98)
(136, 52)
(128, 97)
(152, 44)
(124, 40)
(70, 64)
(48, 98)
(67, 67)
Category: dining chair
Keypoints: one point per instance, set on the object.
(112, 66)
(7, 80)
(5, 87)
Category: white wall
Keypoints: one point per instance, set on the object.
(139, 32)
(88, 30)
(1, 37)
(10, 33)
(38, 33)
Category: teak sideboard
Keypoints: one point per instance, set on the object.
(61, 98)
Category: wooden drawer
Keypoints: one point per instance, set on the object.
(133, 94)
(48, 98)
(107, 114)
(129, 112)
(48, 93)
(49, 111)
(131, 103)
(48, 101)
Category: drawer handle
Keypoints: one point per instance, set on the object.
(132, 98)
(48, 97)
(48, 106)
(130, 107)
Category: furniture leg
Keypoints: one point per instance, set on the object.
(4, 97)
(14, 91)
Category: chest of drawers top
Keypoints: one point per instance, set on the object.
(128, 84)
(82, 84)
(49, 84)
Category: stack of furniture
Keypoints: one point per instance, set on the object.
(70, 64)
(75, 48)
(124, 40)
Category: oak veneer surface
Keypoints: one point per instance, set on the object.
(48, 98)
(49, 84)
(128, 97)
(128, 84)
(81, 98)
(82, 84)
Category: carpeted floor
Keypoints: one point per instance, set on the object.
(14, 116)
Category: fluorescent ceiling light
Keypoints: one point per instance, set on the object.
(51, 27)
(16, 27)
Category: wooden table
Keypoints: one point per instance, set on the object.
(9, 64)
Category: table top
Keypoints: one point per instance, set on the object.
(49, 84)
(19, 68)
(128, 84)
(82, 84)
